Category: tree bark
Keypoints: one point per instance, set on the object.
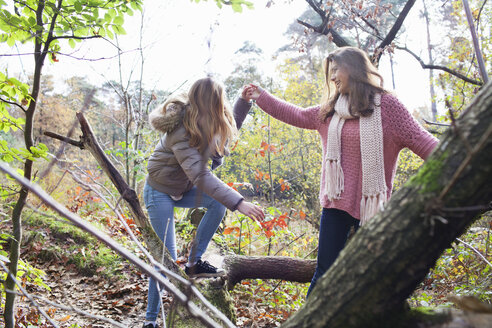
(388, 257)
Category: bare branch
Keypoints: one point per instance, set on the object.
(475, 250)
(72, 142)
(317, 8)
(77, 37)
(442, 68)
(323, 28)
(476, 45)
(13, 104)
(337, 38)
(436, 123)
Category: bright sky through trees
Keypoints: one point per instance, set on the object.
(175, 47)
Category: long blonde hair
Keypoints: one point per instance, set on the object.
(208, 117)
(364, 81)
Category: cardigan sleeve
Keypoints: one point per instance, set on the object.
(404, 128)
(306, 118)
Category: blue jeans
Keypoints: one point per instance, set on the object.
(160, 208)
(334, 229)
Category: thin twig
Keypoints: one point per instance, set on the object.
(436, 123)
(474, 250)
(293, 240)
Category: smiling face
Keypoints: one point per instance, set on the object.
(340, 76)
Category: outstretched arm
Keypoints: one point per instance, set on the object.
(306, 118)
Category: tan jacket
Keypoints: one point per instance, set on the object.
(175, 167)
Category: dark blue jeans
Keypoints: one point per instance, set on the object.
(334, 229)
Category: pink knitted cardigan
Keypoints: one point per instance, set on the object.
(400, 130)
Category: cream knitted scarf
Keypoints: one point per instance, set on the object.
(371, 146)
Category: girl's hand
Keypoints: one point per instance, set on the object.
(251, 91)
(251, 210)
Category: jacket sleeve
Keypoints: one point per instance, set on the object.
(195, 167)
(306, 118)
(241, 109)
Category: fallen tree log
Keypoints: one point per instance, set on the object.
(267, 267)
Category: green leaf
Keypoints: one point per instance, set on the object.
(78, 6)
(118, 29)
(71, 43)
(112, 12)
(32, 21)
(237, 8)
(10, 42)
(118, 20)
(7, 158)
(42, 147)
(109, 33)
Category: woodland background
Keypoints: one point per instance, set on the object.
(271, 163)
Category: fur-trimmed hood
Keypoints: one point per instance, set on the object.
(166, 119)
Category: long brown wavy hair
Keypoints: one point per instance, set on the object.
(208, 117)
(364, 81)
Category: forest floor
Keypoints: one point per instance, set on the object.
(81, 284)
(121, 298)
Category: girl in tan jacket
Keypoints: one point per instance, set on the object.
(197, 127)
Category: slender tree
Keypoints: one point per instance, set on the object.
(46, 23)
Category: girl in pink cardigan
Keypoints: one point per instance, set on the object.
(362, 129)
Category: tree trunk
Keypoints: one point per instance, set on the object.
(431, 62)
(39, 57)
(388, 257)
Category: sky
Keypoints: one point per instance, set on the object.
(175, 47)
